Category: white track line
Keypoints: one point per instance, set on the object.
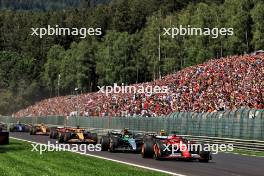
(109, 159)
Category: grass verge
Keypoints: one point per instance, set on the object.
(17, 159)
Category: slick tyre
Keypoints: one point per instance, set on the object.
(205, 156)
(158, 150)
(33, 131)
(52, 135)
(61, 137)
(113, 144)
(27, 129)
(66, 137)
(55, 134)
(105, 143)
(147, 149)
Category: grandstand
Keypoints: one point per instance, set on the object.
(219, 84)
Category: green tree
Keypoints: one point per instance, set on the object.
(51, 73)
(257, 14)
(150, 45)
(237, 16)
(116, 59)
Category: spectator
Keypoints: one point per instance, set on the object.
(217, 85)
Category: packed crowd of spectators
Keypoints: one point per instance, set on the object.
(219, 84)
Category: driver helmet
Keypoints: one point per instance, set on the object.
(162, 133)
(126, 132)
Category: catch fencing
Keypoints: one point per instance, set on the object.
(238, 124)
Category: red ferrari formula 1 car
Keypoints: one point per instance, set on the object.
(173, 147)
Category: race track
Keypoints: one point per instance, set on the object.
(223, 164)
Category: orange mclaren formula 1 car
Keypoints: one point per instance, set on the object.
(39, 129)
(173, 147)
(73, 135)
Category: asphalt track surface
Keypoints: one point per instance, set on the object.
(223, 164)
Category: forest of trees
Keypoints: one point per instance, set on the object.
(32, 68)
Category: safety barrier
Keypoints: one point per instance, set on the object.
(239, 124)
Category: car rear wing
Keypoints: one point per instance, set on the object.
(115, 132)
(151, 134)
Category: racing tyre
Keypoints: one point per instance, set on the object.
(105, 143)
(27, 129)
(33, 131)
(61, 137)
(158, 150)
(113, 144)
(67, 136)
(147, 149)
(205, 156)
(55, 134)
(52, 135)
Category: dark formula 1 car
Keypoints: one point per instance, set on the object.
(122, 141)
(54, 133)
(73, 135)
(172, 147)
(39, 129)
(19, 127)
(4, 138)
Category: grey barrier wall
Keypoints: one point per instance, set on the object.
(240, 124)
